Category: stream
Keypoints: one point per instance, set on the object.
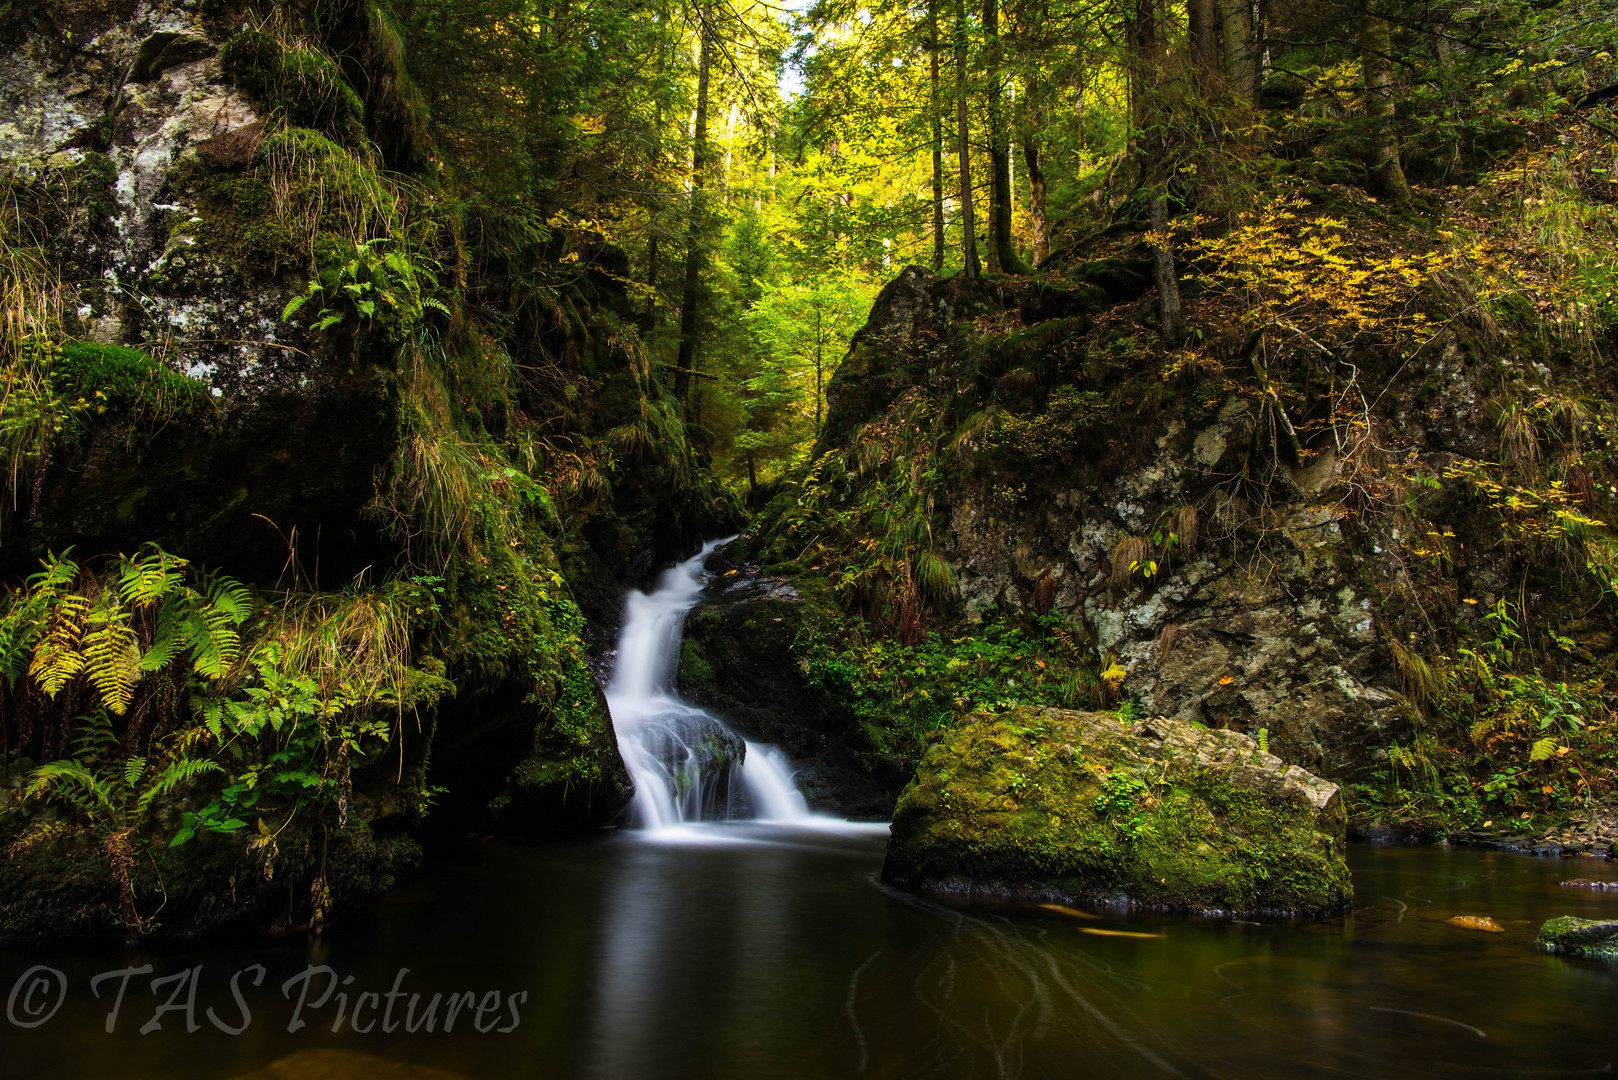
(731, 934)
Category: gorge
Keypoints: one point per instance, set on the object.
(691, 538)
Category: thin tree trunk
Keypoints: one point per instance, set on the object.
(819, 342)
(1002, 254)
(1382, 143)
(1171, 328)
(657, 161)
(1144, 87)
(1036, 198)
(971, 268)
(693, 240)
(730, 146)
(935, 107)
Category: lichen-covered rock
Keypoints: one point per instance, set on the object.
(133, 97)
(1056, 804)
(1580, 937)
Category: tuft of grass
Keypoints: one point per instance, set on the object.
(1425, 684)
(1127, 554)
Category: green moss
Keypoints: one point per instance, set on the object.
(213, 883)
(237, 221)
(304, 85)
(130, 379)
(1034, 801)
(1579, 937)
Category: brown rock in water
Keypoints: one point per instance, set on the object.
(1476, 922)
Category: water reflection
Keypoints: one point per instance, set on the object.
(748, 950)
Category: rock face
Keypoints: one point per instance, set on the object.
(120, 99)
(738, 659)
(1580, 937)
(1269, 604)
(1069, 805)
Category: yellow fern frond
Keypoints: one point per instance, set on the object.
(112, 657)
(57, 658)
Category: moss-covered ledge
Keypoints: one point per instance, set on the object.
(1052, 804)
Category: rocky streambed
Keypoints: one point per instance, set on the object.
(1594, 834)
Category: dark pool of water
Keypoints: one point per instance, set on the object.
(767, 952)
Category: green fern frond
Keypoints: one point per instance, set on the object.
(178, 772)
(146, 580)
(73, 781)
(229, 597)
(169, 637)
(133, 767)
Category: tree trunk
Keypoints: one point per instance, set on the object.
(1031, 120)
(657, 161)
(1241, 58)
(970, 266)
(1144, 88)
(694, 225)
(935, 108)
(1382, 142)
(1204, 31)
(1036, 199)
(1003, 255)
(1171, 328)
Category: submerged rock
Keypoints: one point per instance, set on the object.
(1476, 922)
(1048, 804)
(1580, 937)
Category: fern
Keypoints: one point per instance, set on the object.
(1542, 750)
(58, 659)
(73, 781)
(178, 772)
(26, 617)
(169, 637)
(146, 580)
(112, 655)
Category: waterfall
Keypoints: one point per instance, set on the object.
(686, 764)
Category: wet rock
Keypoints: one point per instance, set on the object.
(1476, 922)
(234, 149)
(1051, 804)
(1580, 937)
(740, 659)
(702, 761)
(1586, 883)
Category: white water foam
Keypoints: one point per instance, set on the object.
(682, 758)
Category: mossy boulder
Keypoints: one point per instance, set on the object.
(1047, 803)
(1580, 937)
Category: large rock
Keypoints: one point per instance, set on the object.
(740, 658)
(116, 100)
(1054, 804)
(1580, 937)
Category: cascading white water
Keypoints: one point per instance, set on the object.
(684, 760)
